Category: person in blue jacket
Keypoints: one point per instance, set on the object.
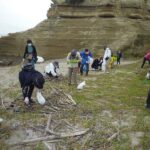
(85, 55)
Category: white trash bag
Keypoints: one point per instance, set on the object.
(26, 100)
(47, 68)
(81, 85)
(40, 98)
(90, 60)
(148, 75)
(40, 59)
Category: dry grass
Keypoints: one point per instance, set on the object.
(110, 103)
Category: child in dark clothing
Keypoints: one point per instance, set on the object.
(119, 55)
(97, 63)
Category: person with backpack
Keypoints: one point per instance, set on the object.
(52, 69)
(86, 55)
(30, 53)
(106, 59)
(146, 58)
(73, 59)
(30, 78)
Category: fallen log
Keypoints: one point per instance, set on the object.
(52, 137)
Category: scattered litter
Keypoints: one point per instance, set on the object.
(148, 75)
(1, 120)
(81, 85)
(26, 100)
(40, 98)
(40, 59)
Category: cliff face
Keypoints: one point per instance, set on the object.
(120, 24)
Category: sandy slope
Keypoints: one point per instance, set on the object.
(9, 75)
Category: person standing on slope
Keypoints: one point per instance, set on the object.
(30, 53)
(106, 59)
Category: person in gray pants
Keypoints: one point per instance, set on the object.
(72, 60)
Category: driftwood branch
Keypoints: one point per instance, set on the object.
(2, 102)
(34, 128)
(70, 98)
(113, 136)
(52, 137)
(52, 132)
(49, 146)
(48, 124)
(85, 141)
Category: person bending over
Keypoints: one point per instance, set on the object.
(30, 78)
(52, 69)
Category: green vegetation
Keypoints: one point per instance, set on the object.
(110, 103)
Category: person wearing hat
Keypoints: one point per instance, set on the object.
(30, 53)
(30, 78)
(72, 60)
(52, 69)
(85, 55)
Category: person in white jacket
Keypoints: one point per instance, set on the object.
(106, 58)
(52, 69)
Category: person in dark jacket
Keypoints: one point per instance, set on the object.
(30, 53)
(97, 63)
(30, 78)
(119, 55)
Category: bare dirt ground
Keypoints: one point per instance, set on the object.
(9, 74)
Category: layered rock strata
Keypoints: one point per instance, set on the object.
(120, 24)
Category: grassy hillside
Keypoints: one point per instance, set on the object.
(111, 106)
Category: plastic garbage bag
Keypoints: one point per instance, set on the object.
(40, 59)
(26, 100)
(41, 100)
(81, 85)
(90, 60)
(1, 120)
(48, 68)
(148, 75)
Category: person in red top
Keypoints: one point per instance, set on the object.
(146, 58)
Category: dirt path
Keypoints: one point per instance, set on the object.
(9, 75)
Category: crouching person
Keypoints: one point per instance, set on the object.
(73, 59)
(30, 78)
(52, 69)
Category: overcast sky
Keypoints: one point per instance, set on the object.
(20, 15)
